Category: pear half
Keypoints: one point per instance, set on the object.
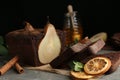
(100, 35)
(50, 46)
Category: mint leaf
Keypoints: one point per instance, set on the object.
(3, 50)
(1, 40)
(76, 66)
(76, 41)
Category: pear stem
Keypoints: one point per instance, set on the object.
(28, 27)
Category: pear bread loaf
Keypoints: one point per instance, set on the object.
(24, 42)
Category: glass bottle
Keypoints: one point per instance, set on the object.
(72, 28)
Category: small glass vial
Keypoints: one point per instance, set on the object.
(72, 28)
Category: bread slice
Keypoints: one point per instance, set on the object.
(78, 51)
(70, 53)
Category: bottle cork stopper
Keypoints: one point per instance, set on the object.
(70, 8)
(70, 11)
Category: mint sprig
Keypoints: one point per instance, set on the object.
(76, 66)
(3, 48)
(1, 40)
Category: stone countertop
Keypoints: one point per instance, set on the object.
(42, 75)
(32, 75)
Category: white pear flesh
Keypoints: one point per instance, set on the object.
(50, 46)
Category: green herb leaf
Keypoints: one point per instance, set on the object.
(3, 50)
(76, 41)
(1, 40)
(76, 66)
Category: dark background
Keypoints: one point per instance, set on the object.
(95, 15)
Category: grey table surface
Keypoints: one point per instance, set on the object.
(42, 75)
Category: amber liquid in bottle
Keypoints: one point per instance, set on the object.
(72, 28)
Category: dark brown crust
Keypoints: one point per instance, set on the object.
(25, 44)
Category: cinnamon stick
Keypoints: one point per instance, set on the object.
(19, 68)
(8, 65)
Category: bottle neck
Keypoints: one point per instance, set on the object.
(72, 20)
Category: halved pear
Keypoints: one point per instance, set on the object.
(50, 46)
(100, 35)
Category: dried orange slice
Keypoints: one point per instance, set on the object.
(80, 75)
(97, 65)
